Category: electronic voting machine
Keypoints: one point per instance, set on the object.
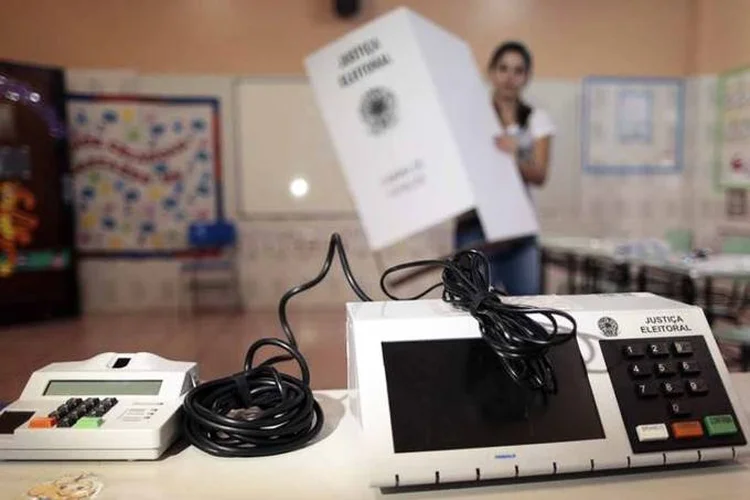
(110, 407)
(643, 384)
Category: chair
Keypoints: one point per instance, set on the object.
(739, 298)
(679, 240)
(212, 265)
(740, 337)
(736, 245)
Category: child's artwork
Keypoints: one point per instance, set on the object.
(143, 169)
(733, 129)
(632, 125)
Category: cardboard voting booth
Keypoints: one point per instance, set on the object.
(412, 124)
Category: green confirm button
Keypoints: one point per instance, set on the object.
(720, 425)
(89, 423)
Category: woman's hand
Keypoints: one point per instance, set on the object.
(507, 143)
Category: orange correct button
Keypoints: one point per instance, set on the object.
(687, 430)
(42, 423)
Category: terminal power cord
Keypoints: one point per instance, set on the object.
(263, 411)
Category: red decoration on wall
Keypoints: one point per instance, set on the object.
(17, 223)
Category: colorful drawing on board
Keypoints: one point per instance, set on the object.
(144, 169)
(17, 224)
(733, 130)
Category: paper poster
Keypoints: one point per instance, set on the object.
(733, 129)
(143, 170)
(736, 202)
(635, 111)
(632, 125)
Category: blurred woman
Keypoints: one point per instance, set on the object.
(526, 133)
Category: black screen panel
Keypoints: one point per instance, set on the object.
(455, 394)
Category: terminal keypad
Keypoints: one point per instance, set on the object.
(75, 412)
(670, 394)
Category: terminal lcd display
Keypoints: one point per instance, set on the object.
(103, 388)
(455, 394)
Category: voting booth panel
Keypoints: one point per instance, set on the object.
(412, 126)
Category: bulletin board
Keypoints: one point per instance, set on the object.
(733, 129)
(143, 169)
(632, 125)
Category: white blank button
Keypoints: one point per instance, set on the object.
(652, 432)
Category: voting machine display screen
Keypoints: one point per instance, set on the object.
(473, 403)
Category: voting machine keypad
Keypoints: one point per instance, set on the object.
(670, 395)
(77, 413)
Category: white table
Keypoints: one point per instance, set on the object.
(715, 266)
(332, 468)
(578, 253)
(583, 246)
(581, 251)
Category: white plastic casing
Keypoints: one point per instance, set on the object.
(137, 427)
(372, 323)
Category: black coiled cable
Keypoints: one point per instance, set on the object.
(512, 331)
(261, 411)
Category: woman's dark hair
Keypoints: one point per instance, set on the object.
(524, 110)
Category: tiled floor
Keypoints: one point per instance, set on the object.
(217, 342)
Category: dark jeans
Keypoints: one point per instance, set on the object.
(517, 270)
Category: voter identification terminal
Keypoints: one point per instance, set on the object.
(114, 406)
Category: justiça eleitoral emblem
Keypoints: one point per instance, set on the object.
(378, 109)
(608, 326)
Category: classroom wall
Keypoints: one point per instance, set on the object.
(149, 40)
(244, 37)
(722, 43)
(722, 38)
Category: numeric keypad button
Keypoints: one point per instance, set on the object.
(658, 350)
(639, 370)
(634, 351)
(683, 348)
(689, 367)
(697, 387)
(646, 390)
(672, 389)
(664, 369)
(678, 409)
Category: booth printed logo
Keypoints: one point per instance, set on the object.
(608, 326)
(378, 109)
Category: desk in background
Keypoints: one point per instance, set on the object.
(333, 468)
(595, 265)
(585, 260)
